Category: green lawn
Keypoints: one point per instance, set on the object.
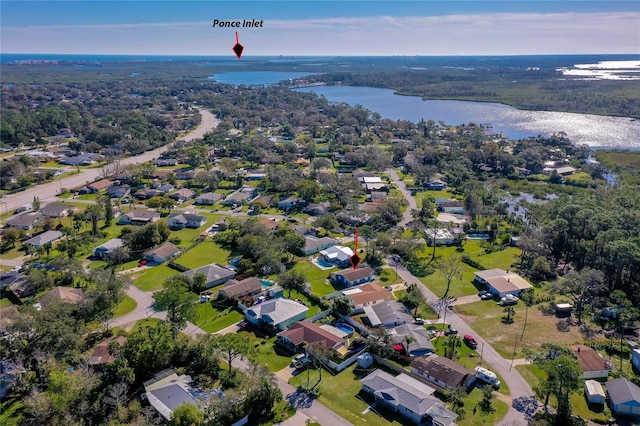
(269, 353)
(485, 317)
(154, 277)
(148, 322)
(579, 405)
(203, 254)
(316, 277)
(127, 305)
(388, 276)
(213, 320)
(471, 419)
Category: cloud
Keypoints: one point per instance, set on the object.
(456, 34)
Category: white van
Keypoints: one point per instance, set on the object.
(25, 208)
(487, 376)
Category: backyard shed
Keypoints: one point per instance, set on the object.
(594, 392)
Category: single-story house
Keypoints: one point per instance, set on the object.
(562, 171)
(270, 224)
(101, 353)
(236, 199)
(303, 230)
(290, 203)
(236, 289)
(450, 206)
(413, 338)
(56, 210)
(367, 294)
(17, 284)
(443, 372)
(146, 193)
(82, 159)
(440, 237)
(276, 314)
(373, 183)
(208, 199)
(378, 197)
(185, 220)
(436, 185)
(215, 274)
(263, 201)
(387, 314)
(99, 185)
(350, 277)
(138, 217)
(25, 221)
(164, 162)
(162, 253)
(118, 191)
(167, 391)
(63, 294)
(255, 176)
(44, 238)
(104, 250)
(337, 255)
(594, 392)
(501, 282)
(182, 195)
(359, 174)
(624, 397)
(314, 244)
(185, 174)
(165, 187)
(405, 395)
(317, 209)
(593, 366)
(307, 333)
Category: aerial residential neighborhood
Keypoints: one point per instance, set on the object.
(177, 248)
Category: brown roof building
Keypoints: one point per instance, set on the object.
(442, 372)
(64, 294)
(593, 366)
(367, 294)
(233, 288)
(101, 354)
(304, 332)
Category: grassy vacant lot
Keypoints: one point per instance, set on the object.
(579, 405)
(127, 305)
(437, 283)
(203, 254)
(212, 320)
(316, 277)
(153, 278)
(486, 318)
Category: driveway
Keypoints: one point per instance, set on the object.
(406, 218)
(517, 385)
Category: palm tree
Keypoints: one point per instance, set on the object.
(452, 344)
(529, 300)
(510, 311)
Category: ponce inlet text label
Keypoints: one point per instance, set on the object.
(245, 23)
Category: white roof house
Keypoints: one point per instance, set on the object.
(338, 255)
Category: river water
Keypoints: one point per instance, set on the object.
(593, 130)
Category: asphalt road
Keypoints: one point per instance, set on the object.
(46, 192)
(518, 387)
(407, 195)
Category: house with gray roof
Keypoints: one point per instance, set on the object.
(167, 391)
(182, 195)
(185, 220)
(138, 217)
(413, 338)
(57, 210)
(405, 395)
(387, 314)
(317, 209)
(351, 277)
(104, 250)
(44, 238)
(25, 221)
(236, 199)
(276, 314)
(208, 199)
(314, 244)
(215, 274)
(624, 397)
(118, 191)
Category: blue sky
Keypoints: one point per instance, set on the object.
(431, 27)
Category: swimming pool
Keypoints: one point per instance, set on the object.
(346, 328)
(478, 237)
(323, 263)
(266, 283)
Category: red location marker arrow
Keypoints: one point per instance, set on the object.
(238, 48)
(355, 259)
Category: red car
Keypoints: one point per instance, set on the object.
(142, 263)
(470, 341)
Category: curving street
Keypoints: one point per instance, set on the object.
(518, 387)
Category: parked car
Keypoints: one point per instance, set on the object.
(482, 293)
(509, 299)
(486, 296)
(470, 341)
(300, 361)
(449, 331)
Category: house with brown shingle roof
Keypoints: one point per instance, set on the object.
(367, 294)
(161, 253)
(443, 372)
(138, 217)
(593, 366)
(101, 353)
(99, 185)
(63, 294)
(307, 333)
(246, 287)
